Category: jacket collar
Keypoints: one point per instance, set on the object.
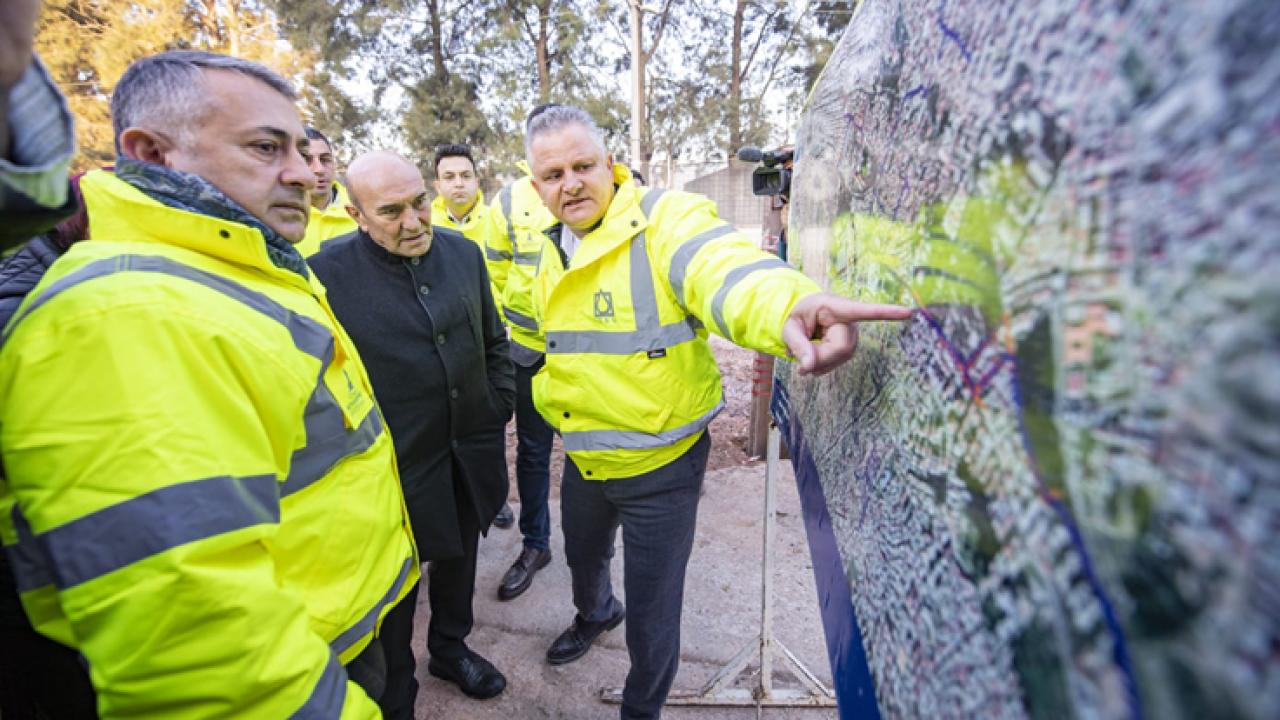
(440, 212)
(194, 194)
(118, 210)
(337, 207)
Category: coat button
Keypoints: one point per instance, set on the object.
(453, 444)
(440, 339)
(552, 344)
(566, 413)
(224, 234)
(588, 473)
(453, 393)
(424, 289)
(414, 261)
(635, 223)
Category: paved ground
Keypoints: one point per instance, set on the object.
(722, 610)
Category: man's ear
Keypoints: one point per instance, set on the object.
(145, 145)
(354, 212)
(608, 161)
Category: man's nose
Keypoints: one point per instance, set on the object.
(297, 170)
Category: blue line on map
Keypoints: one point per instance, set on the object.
(917, 90)
(1120, 648)
(976, 351)
(901, 194)
(995, 368)
(952, 34)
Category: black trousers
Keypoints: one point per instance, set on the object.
(385, 669)
(658, 512)
(451, 583)
(39, 678)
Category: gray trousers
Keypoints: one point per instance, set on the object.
(657, 511)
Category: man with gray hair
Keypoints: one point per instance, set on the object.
(199, 493)
(630, 382)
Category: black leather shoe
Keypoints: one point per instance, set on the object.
(576, 641)
(520, 576)
(505, 518)
(474, 675)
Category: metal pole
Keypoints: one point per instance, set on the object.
(766, 584)
(637, 88)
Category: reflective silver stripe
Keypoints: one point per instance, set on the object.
(604, 342)
(146, 525)
(588, 440)
(684, 255)
(523, 356)
(328, 695)
(491, 254)
(328, 440)
(31, 566)
(734, 277)
(519, 319)
(527, 258)
(644, 297)
(310, 336)
(651, 197)
(649, 334)
(366, 624)
(504, 199)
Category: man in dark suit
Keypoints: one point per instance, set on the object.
(416, 302)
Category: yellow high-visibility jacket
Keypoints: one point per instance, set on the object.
(516, 248)
(200, 494)
(630, 381)
(476, 227)
(326, 224)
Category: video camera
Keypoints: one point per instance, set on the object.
(772, 177)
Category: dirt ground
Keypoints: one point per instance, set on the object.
(722, 597)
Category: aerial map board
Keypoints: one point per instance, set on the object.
(1056, 492)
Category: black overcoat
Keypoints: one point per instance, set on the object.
(437, 355)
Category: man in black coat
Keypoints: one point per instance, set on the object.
(416, 302)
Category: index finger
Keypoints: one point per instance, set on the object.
(859, 312)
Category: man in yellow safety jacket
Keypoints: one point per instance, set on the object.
(329, 200)
(516, 242)
(200, 495)
(630, 382)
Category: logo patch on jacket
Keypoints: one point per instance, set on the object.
(603, 304)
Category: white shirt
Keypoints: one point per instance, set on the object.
(569, 242)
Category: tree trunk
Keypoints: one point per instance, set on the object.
(437, 48)
(735, 82)
(543, 55)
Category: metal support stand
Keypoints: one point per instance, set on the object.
(761, 648)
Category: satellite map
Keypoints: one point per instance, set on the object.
(1056, 492)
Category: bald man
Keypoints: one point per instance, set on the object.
(416, 302)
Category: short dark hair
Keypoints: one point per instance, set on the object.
(314, 134)
(452, 150)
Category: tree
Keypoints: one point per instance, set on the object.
(550, 51)
(88, 44)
